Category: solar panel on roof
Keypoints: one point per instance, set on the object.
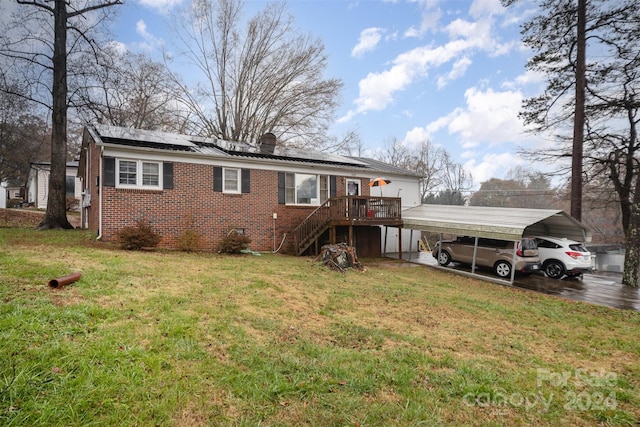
(177, 142)
(143, 135)
(316, 155)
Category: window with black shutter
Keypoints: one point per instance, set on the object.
(109, 165)
(246, 181)
(167, 176)
(217, 179)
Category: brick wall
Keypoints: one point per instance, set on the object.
(192, 203)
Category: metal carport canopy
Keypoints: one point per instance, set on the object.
(497, 223)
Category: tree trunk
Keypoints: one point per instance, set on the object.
(56, 215)
(631, 275)
(578, 123)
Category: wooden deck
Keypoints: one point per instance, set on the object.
(352, 211)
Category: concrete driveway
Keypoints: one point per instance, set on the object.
(599, 288)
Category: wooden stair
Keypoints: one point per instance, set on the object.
(309, 230)
(346, 210)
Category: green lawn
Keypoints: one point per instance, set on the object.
(172, 338)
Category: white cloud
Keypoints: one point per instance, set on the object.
(529, 83)
(458, 70)
(490, 117)
(141, 29)
(377, 89)
(518, 13)
(492, 166)
(478, 34)
(369, 39)
(346, 118)
(118, 47)
(504, 48)
(469, 154)
(149, 41)
(392, 36)
(430, 16)
(469, 124)
(162, 6)
(461, 28)
(442, 122)
(486, 7)
(416, 136)
(530, 77)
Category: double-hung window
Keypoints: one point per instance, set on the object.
(306, 189)
(150, 174)
(127, 172)
(231, 180)
(138, 174)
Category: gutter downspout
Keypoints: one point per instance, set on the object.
(475, 255)
(100, 167)
(82, 208)
(85, 187)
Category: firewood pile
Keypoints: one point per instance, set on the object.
(340, 257)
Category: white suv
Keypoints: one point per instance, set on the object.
(561, 257)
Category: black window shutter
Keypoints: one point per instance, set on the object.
(281, 192)
(246, 180)
(217, 178)
(167, 176)
(109, 165)
(333, 186)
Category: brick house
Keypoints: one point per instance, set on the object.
(179, 182)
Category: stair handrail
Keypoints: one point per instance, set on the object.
(315, 222)
(351, 208)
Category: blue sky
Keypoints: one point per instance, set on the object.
(450, 71)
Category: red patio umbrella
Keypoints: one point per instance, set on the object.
(379, 182)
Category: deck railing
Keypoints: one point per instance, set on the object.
(345, 210)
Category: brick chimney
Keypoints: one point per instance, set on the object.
(267, 143)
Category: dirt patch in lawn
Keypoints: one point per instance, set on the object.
(392, 264)
(387, 263)
(24, 218)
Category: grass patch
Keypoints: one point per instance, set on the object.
(194, 339)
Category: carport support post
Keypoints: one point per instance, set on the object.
(410, 242)
(384, 250)
(350, 235)
(513, 262)
(475, 254)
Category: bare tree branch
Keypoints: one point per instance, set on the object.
(265, 78)
(37, 46)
